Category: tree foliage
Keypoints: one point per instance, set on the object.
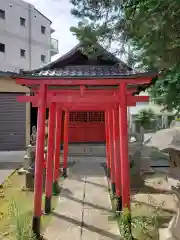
(151, 29)
(145, 117)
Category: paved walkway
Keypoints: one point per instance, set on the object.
(4, 174)
(84, 208)
(9, 161)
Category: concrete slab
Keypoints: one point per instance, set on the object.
(9, 161)
(97, 223)
(12, 156)
(84, 208)
(4, 174)
(67, 218)
(96, 195)
(164, 234)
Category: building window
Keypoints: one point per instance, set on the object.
(2, 47)
(43, 58)
(22, 22)
(2, 14)
(43, 30)
(22, 53)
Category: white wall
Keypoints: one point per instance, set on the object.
(29, 38)
(132, 111)
(139, 106)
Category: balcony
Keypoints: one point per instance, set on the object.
(54, 47)
(52, 30)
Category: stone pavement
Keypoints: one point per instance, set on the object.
(84, 208)
(9, 161)
(4, 174)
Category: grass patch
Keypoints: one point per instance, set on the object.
(146, 220)
(12, 191)
(146, 217)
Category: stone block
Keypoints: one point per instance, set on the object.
(29, 180)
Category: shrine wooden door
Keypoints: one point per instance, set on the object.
(86, 127)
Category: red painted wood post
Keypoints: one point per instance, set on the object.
(125, 166)
(56, 169)
(107, 145)
(50, 157)
(111, 150)
(65, 162)
(117, 158)
(39, 161)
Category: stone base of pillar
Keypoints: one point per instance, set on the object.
(47, 207)
(113, 188)
(29, 180)
(36, 227)
(118, 204)
(108, 173)
(56, 188)
(64, 174)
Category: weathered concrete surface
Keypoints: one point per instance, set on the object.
(84, 208)
(12, 156)
(67, 217)
(9, 161)
(96, 217)
(87, 150)
(4, 174)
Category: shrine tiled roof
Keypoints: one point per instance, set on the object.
(86, 72)
(75, 64)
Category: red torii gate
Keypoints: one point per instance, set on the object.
(113, 101)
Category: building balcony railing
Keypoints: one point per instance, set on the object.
(54, 46)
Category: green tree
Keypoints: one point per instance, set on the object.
(149, 27)
(145, 117)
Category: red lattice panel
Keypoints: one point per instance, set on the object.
(86, 116)
(86, 126)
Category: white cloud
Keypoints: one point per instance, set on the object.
(58, 11)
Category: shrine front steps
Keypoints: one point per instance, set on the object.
(81, 149)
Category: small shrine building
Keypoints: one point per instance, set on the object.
(84, 126)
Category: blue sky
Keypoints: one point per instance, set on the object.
(58, 11)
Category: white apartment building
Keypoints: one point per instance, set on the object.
(25, 37)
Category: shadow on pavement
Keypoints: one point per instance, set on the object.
(88, 227)
(88, 204)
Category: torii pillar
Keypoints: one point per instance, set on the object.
(65, 162)
(125, 166)
(116, 153)
(107, 144)
(56, 170)
(39, 163)
(50, 158)
(111, 151)
(124, 156)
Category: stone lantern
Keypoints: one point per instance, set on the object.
(171, 145)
